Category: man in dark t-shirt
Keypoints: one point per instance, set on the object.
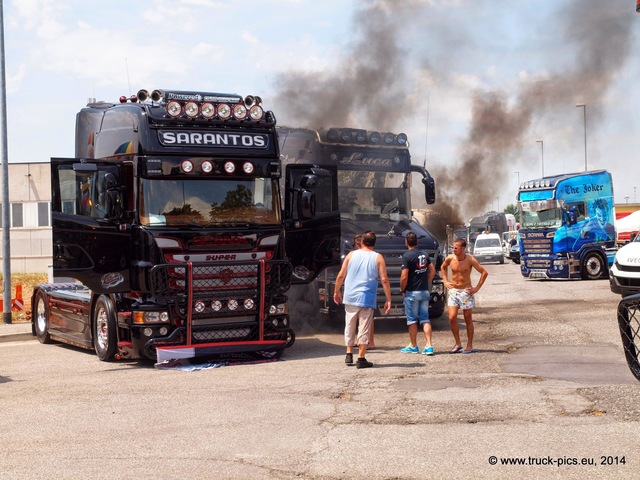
(415, 279)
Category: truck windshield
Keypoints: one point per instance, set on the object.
(547, 218)
(209, 202)
(374, 195)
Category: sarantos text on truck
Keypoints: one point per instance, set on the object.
(168, 231)
(365, 185)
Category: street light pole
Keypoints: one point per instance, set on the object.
(584, 111)
(541, 142)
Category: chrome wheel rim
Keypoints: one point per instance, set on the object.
(102, 329)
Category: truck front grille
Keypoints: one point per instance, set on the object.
(224, 297)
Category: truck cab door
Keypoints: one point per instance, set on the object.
(312, 237)
(91, 239)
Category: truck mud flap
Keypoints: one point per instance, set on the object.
(629, 323)
(239, 350)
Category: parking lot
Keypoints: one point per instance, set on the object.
(548, 394)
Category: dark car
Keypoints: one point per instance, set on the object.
(514, 252)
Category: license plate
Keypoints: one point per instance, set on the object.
(394, 311)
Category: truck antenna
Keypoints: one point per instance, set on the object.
(426, 133)
(126, 64)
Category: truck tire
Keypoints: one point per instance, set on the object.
(290, 337)
(592, 267)
(105, 340)
(41, 317)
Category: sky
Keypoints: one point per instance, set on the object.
(486, 90)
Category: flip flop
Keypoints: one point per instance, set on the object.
(456, 349)
(473, 350)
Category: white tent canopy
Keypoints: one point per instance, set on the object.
(627, 225)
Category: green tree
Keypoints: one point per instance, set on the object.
(240, 197)
(511, 208)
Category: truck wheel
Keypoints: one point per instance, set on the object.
(291, 337)
(41, 317)
(104, 329)
(592, 266)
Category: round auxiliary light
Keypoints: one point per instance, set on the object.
(256, 112)
(232, 304)
(174, 109)
(199, 306)
(361, 136)
(187, 166)
(345, 135)
(536, 183)
(163, 331)
(164, 317)
(248, 304)
(207, 166)
(208, 110)
(229, 167)
(333, 135)
(216, 305)
(388, 138)
(374, 137)
(247, 167)
(402, 139)
(224, 111)
(272, 309)
(239, 111)
(191, 109)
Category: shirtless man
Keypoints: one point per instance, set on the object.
(461, 291)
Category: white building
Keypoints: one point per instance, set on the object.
(30, 217)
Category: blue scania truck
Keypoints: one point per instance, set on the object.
(567, 226)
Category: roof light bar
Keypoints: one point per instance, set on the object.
(354, 136)
(206, 106)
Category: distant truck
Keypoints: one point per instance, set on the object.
(454, 232)
(490, 222)
(567, 226)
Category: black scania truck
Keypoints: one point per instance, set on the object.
(363, 183)
(168, 228)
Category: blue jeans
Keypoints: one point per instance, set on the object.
(416, 306)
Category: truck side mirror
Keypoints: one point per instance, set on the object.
(429, 189)
(306, 204)
(113, 205)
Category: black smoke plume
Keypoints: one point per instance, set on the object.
(371, 84)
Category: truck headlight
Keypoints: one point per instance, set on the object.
(142, 318)
(278, 309)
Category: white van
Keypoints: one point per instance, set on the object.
(488, 248)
